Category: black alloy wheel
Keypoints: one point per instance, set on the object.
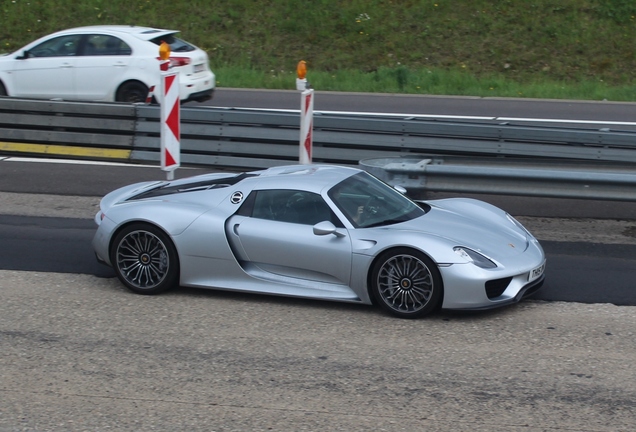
(406, 283)
(132, 92)
(145, 259)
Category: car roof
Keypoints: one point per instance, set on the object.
(303, 177)
(311, 178)
(144, 33)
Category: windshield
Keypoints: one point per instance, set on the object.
(368, 202)
(176, 44)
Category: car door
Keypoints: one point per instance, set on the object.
(277, 236)
(101, 66)
(47, 70)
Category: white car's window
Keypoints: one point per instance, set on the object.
(293, 206)
(105, 45)
(60, 46)
(176, 44)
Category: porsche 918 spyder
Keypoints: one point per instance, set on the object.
(317, 231)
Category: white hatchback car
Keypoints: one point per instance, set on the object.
(103, 63)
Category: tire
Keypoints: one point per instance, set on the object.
(3, 91)
(145, 259)
(406, 283)
(132, 91)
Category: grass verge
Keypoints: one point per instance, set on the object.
(426, 82)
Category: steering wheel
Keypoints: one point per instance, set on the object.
(369, 209)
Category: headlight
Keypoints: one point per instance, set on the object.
(475, 257)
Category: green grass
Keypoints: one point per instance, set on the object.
(431, 82)
(575, 49)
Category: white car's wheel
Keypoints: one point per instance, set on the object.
(406, 283)
(145, 259)
(132, 91)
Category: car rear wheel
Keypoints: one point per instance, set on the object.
(133, 92)
(406, 283)
(144, 259)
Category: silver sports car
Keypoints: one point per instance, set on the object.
(317, 231)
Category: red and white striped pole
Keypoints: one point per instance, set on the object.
(306, 114)
(170, 114)
(151, 94)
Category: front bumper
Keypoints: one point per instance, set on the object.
(525, 292)
(101, 239)
(465, 285)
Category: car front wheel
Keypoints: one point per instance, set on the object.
(406, 283)
(144, 259)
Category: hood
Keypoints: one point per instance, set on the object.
(472, 224)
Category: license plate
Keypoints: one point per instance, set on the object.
(199, 68)
(536, 273)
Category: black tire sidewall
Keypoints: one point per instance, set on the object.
(172, 278)
(130, 88)
(436, 297)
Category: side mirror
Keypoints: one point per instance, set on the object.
(25, 55)
(326, 228)
(400, 189)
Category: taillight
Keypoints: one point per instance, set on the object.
(179, 61)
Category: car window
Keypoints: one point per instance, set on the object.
(367, 201)
(292, 206)
(105, 45)
(176, 44)
(57, 47)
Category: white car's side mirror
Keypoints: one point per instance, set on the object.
(326, 228)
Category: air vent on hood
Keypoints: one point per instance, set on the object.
(181, 187)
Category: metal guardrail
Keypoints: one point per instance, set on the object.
(252, 138)
(578, 180)
(65, 123)
(248, 139)
(232, 136)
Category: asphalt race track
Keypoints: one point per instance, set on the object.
(616, 115)
(78, 352)
(578, 270)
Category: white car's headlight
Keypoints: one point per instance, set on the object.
(475, 257)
